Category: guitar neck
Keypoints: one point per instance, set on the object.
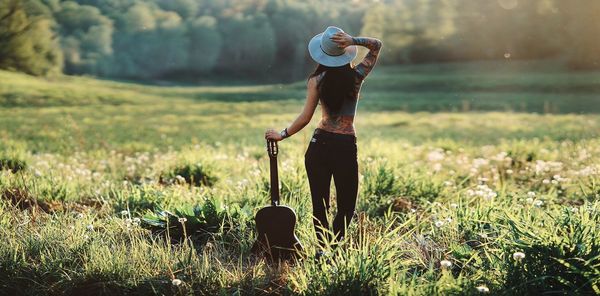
(274, 181)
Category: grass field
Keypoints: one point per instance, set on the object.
(465, 169)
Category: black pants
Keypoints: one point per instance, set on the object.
(332, 155)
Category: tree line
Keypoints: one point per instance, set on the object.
(266, 39)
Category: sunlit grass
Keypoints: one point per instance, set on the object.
(446, 199)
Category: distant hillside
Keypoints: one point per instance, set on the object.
(520, 86)
(21, 90)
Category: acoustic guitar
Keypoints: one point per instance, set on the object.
(275, 224)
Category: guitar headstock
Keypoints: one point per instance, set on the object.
(272, 148)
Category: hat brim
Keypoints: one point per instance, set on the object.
(317, 54)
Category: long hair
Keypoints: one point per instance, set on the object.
(337, 84)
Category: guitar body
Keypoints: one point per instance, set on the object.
(276, 224)
(276, 239)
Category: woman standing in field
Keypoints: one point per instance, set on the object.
(332, 151)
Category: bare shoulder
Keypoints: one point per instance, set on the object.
(312, 82)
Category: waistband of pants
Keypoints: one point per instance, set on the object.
(325, 135)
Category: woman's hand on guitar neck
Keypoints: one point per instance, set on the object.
(273, 135)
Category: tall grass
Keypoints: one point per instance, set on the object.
(449, 203)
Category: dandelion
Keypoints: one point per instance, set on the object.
(176, 282)
(482, 289)
(80, 215)
(124, 213)
(180, 179)
(90, 227)
(37, 173)
(529, 200)
(531, 194)
(538, 203)
(482, 191)
(453, 205)
(182, 220)
(439, 223)
(445, 264)
(448, 219)
(136, 221)
(436, 155)
(518, 256)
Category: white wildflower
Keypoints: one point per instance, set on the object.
(518, 256)
(435, 155)
(482, 191)
(182, 220)
(454, 205)
(531, 194)
(176, 282)
(482, 289)
(90, 227)
(445, 264)
(538, 203)
(439, 223)
(124, 213)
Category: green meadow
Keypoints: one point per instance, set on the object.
(478, 177)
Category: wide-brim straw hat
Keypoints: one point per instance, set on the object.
(326, 52)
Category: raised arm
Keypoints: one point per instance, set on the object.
(374, 46)
(312, 99)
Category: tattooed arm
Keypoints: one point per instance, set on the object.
(374, 45)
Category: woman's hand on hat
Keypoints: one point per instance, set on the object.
(271, 134)
(342, 39)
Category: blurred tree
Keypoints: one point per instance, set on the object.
(266, 39)
(184, 8)
(582, 25)
(249, 46)
(205, 44)
(86, 37)
(291, 37)
(412, 29)
(27, 41)
(151, 44)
